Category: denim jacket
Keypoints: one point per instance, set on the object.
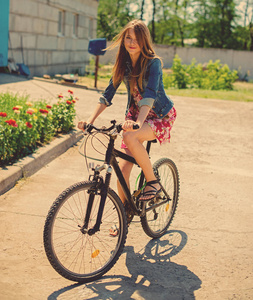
(153, 93)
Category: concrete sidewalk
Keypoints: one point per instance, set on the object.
(207, 251)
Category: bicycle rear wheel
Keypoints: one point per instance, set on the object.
(73, 253)
(161, 210)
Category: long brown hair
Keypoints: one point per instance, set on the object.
(147, 52)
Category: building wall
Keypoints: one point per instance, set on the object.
(242, 61)
(34, 23)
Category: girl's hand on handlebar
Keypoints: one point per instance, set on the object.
(82, 125)
(129, 125)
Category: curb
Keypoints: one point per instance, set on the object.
(74, 85)
(32, 163)
(69, 84)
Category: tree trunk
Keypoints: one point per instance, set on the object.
(181, 32)
(153, 21)
(251, 36)
(175, 16)
(142, 9)
(246, 13)
(251, 31)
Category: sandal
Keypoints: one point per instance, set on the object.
(151, 194)
(114, 231)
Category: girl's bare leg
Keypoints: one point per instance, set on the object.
(134, 140)
(125, 167)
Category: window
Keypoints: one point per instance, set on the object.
(75, 25)
(90, 28)
(61, 17)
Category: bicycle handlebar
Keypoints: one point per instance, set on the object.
(118, 127)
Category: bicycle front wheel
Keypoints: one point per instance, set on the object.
(74, 253)
(161, 210)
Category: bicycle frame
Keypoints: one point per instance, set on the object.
(103, 185)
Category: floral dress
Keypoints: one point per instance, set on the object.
(160, 127)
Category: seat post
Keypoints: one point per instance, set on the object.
(149, 145)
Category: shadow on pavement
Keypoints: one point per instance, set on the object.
(152, 275)
(11, 78)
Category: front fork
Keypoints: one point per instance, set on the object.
(99, 185)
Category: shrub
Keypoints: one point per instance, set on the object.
(214, 76)
(63, 113)
(181, 78)
(25, 125)
(218, 77)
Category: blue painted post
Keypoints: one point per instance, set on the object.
(4, 32)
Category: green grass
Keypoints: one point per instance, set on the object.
(243, 91)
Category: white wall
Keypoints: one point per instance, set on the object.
(45, 51)
(242, 61)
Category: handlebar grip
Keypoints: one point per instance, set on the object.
(136, 126)
(89, 127)
(119, 127)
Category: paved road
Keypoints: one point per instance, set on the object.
(208, 251)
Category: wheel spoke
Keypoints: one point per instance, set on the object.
(77, 255)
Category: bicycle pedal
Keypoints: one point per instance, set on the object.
(151, 202)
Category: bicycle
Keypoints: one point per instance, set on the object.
(76, 232)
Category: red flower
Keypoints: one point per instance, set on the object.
(29, 112)
(28, 124)
(49, 106)
(44, 111)
(15, 108)
(68, 102)
(3, 114)
(71, 92)
(12, 123)
(74, 101)
(60, 96)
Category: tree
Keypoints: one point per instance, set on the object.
(215, 21)
(112, 16)
(182, 21)
(248, 18)
(172, 21)
(201, 26)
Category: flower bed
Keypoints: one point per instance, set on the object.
(25, 125)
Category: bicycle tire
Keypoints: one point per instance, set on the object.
(156, 222)
(79, 256)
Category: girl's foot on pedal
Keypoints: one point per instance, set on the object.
(151, 190)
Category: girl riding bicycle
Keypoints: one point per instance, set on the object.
(76, 237)
(148, 106)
